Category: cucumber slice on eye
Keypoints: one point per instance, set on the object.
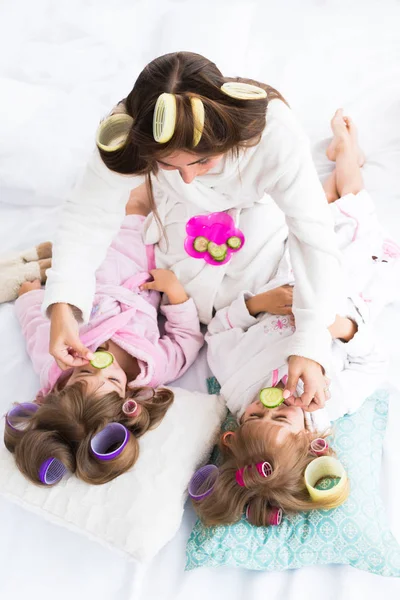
(234, 242)
(102, 359)
(271, 397)
(218, 252)
(200, 243)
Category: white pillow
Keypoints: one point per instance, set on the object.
(140, 511)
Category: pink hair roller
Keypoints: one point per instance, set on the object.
(275, 517)
(319, 446)
(264, 469)
(130, 408)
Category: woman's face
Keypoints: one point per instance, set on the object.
(188, 164)
(287, 418)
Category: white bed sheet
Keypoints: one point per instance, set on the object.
(62, 66)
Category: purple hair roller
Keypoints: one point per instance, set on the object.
(51, 471)
(202, 483)
(318, 446)
(17, 418)
(110, 441)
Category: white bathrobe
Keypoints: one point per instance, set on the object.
(268, 183)
(247, 353)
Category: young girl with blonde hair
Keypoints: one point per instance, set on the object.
(86, 420)
(273, 461)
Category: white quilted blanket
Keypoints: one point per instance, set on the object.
(140, 511)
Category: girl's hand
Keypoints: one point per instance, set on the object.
(278, 301)
(28, 286)
(65, 344)
(316, 390)
(166, 281)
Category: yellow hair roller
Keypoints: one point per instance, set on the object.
(243, 91)
(113, 132)
(164, 118)
(198, 119)
(326, 466)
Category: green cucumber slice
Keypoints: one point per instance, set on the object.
(218, 252)
(200, 243)
(271, 397)
(234, 242)
(102, 359)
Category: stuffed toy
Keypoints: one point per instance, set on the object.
(23, 266)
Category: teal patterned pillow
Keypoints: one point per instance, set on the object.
(355, 533)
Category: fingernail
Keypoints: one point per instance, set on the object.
(284, 379)
(286, 394)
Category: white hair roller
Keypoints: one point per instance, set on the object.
(243, 91)
(319, 468)
(113, 132)
(164, 118)
(198, 119)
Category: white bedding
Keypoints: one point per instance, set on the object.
(62, 66)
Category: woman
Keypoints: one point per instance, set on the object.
(237, 144)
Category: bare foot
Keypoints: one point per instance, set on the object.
(344, 134)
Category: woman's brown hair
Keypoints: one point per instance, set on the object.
(67, 420)
(230, 123)
(250, 444)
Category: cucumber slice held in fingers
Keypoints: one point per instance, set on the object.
(271, 397)
(217, 251)
(200, 243)
(102, 359)
(234, 242)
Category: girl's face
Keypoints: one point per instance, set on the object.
(188, 164)
(101, 381)
(288, 418)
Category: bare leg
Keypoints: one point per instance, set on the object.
(345, 151)
(330, 189)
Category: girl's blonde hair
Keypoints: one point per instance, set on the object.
(65, 423)
(285, 488)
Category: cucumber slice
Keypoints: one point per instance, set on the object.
(200, 243)
(234, 242)
(218, 252)
(271, 397)
(102, 359)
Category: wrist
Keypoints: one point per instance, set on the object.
(63, 309)
(176, 294)
(255, 305)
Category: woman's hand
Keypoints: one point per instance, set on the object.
(316, 390)
(65, 344)
(166, 281)
(277, 301)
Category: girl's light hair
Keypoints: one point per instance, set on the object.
(66, 421)
(255, 442)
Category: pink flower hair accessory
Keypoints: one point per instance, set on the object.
(213, 238)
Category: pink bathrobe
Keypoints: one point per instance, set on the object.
(124, 314)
